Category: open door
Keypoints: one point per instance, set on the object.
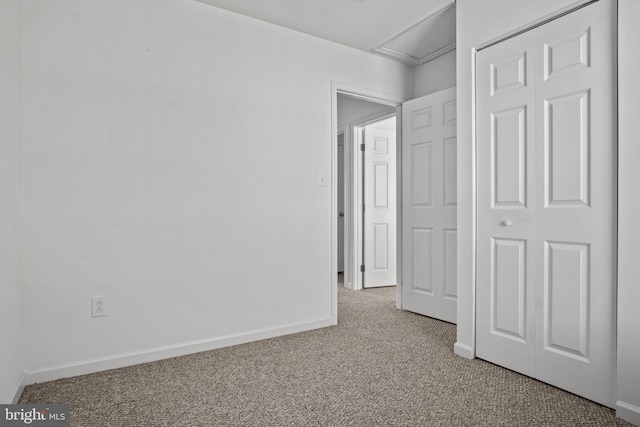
(380, 204)
(429, 205)
(341, 202)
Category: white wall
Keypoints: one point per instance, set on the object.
(505, 16)
(435, 75)
(10, 115)
(629, 207)
(172, 158)
(351, 109)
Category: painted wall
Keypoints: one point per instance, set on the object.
(172, 159)
(351, 109)
(435, 75)
(10, 182)
(505, 16)
(629, 206)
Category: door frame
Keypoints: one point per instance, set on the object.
(372, 95)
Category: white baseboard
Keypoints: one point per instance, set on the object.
(151, 355)
(628, 412)
(18, 389)
(463, 350)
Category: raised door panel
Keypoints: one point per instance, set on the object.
(450, 172)
(421, 175)
(567, 148)
(381, 185)
(420, 119)
(422, 261)
(508, 289)
(508, 73)
(381, 247)
(566, 299)
(509, 157)
(567, 54)
(449, 113)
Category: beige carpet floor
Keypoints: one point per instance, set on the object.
(379, 367)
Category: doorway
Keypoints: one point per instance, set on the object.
(376, 195)
(355, 112)
(425, 281)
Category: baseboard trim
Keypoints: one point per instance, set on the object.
(18, 389)
(463, 350)
(165, 352)
(628, 412)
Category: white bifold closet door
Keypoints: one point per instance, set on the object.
(546, 202)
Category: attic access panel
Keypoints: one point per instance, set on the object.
(431, 37)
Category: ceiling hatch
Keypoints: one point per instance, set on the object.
(424, 41)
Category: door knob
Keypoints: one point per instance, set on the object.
(505, 223)
(341, 214)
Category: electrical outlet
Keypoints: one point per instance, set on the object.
(98, 306)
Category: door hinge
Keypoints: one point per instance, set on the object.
(362, 268)
(361, 147)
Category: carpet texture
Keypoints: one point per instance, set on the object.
(379, 367)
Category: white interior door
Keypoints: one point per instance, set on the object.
(546, 203)
(506, 311)
(341, 203)
(379, 206)
(429, 211)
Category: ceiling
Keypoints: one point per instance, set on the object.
(411, 31)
